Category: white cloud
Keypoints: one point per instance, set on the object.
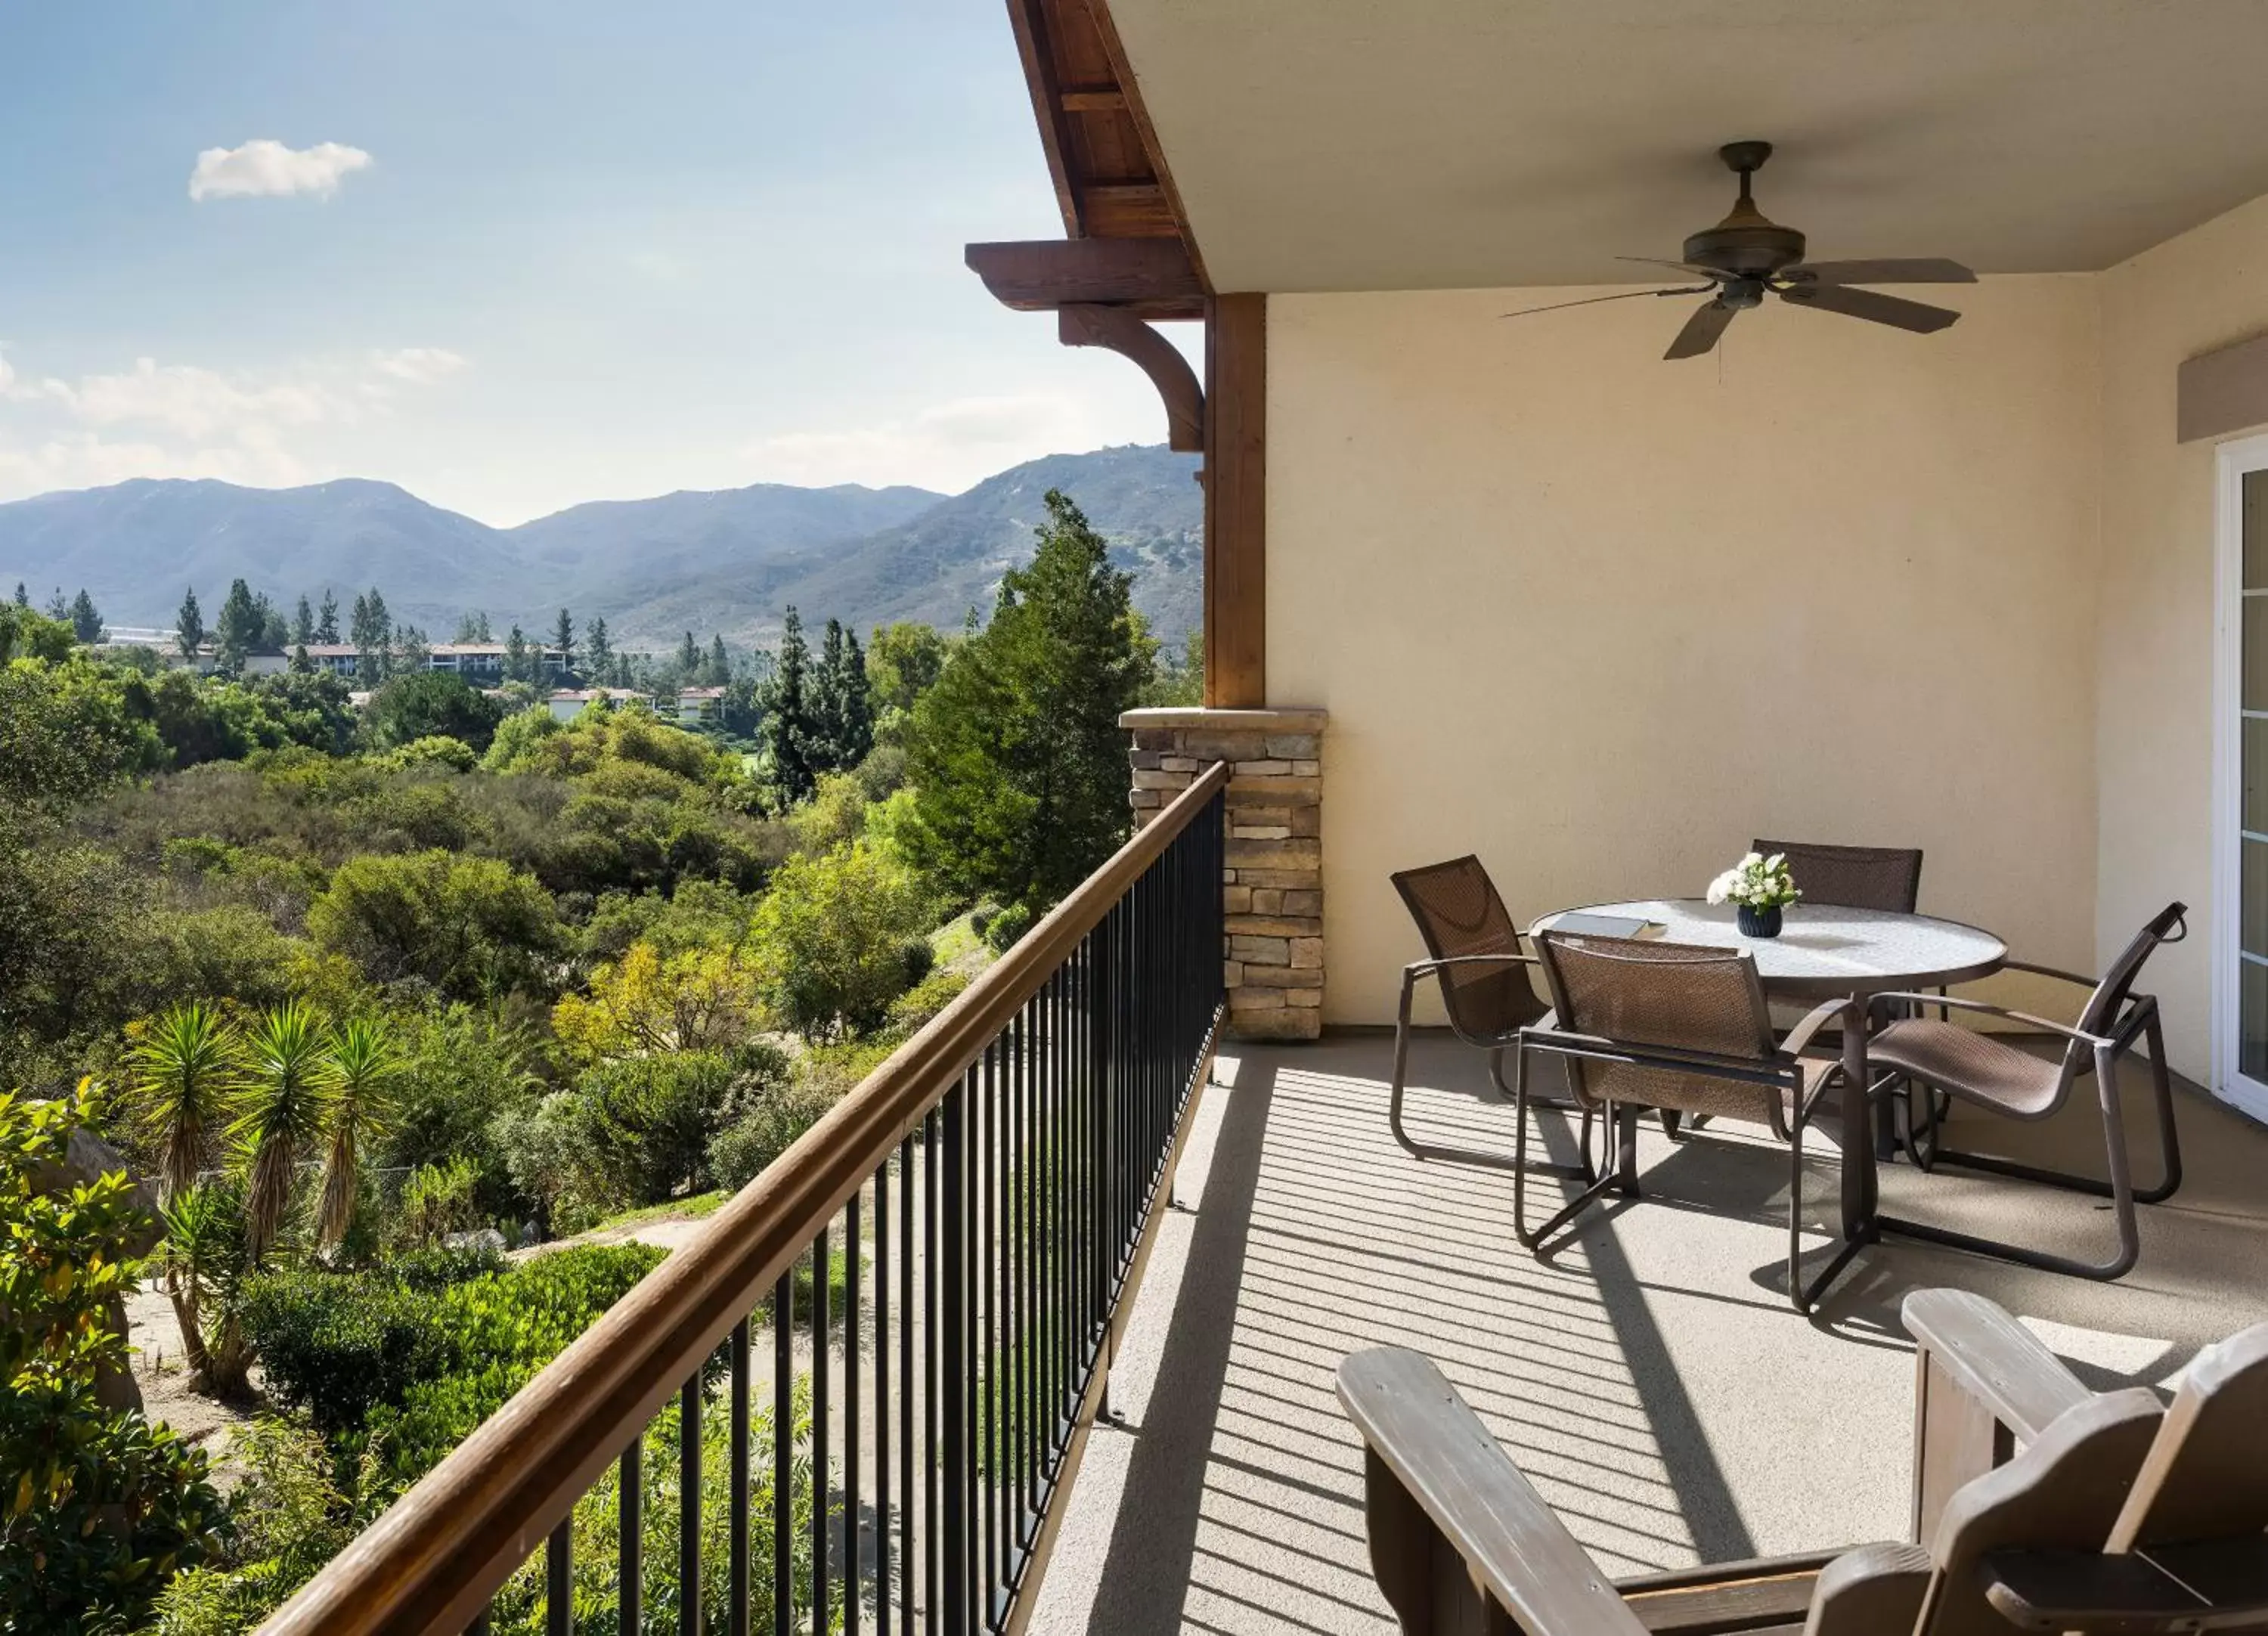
(179, 420)
(264, 167)
(946, 445)
(420, 366)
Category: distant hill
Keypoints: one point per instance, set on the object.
(724, 562)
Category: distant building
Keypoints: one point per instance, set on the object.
(475, 661)
(569, 702)
(696, 706)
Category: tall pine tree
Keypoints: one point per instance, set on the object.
(562, 638)
(240, 627)
(599, 654)
(787, 733)
(86, 619)
(327, 622)
(189, 625)
(303, 624)
(1016, 754)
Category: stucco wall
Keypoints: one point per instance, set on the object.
(1602, 618)
(2154, 737)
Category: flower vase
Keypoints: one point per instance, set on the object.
(1757, 922)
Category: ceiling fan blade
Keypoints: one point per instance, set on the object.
(1918, 317)
(1594, 299)
(1701, 331)
(1925, 269)
(1709, 273)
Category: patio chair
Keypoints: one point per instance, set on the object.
(1676, 1027)
(1473, 951)
(1990, 1074)
(1854, 877)
(2118, 1517)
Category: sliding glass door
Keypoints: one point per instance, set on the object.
(2241, 821)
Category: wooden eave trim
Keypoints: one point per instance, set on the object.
(1028, 20)
(1151, 277)
(1123, 69)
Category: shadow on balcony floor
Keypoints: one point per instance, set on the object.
(1650, 1377)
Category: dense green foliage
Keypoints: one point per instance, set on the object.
(1017, 756)
(97, 1508)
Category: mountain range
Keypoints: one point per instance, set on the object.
(724, 563)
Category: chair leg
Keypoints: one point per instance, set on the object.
(1624, 1125)
(1801, 1295)
(2169, 1139)
(1597, 1184)
(1401, 1072)
(1398, 1083)
(2119, 1190)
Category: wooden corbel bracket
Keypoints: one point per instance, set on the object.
(1082, 324)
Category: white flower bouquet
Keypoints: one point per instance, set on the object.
(1755, 882)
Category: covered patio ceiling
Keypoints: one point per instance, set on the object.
(1381, 144)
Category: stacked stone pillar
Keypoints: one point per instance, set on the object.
(1273, 885)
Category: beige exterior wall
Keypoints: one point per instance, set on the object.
(2154, 735)
(1602, 618)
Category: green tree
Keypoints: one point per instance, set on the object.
(356, 1083)
(26, 633)
(719, 670)
(86, 619)
(240, 628)
(279, 1117)
(100, 1508)
(841, 702)
(432, 703)
(189, 625)
(467, 927)
(185, 1076)
(59, 607)
(303, 624)
(207, 1260)
(372, 634)
(689, 660)
(788, 730)
(599, 654)
(473, 626)
(1016, 753)
(519, 665)
(22, 597)
(562, 638)
(412, 653)
(903, 661)
(326, 621)
(1178, 680)
(837, 938)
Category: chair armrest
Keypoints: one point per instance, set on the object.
(1435, 1478)
(2024, 1017)
(2056, 972)
(1800, 1035)
(1993, 1358)
(1427, 968)
(2109, 1595)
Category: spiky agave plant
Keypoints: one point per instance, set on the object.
(185, 1069)
(355, 1078)
(280, 1116)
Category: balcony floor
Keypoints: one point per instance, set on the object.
(1651, 1377)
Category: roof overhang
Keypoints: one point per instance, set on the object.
(1369, 144)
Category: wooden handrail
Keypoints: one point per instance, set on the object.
(429, 1566)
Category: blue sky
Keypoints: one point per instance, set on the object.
(513, 255)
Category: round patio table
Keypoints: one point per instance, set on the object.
(1827, 952)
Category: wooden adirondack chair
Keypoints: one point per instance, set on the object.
(2038, 1506)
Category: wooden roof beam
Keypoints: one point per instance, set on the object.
(1153, 276)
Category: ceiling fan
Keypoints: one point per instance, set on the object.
(1748, 256)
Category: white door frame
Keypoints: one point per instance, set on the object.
(2232, 462)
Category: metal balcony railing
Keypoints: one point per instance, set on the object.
(943, 1262)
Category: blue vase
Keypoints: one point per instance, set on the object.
(1759, 922)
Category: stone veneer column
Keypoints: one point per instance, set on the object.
(1273, 887)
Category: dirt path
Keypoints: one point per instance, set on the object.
(161, 1371)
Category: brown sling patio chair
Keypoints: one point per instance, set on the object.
(2117, 1518)
(1473, 951)
(1854, 877)
(1676, 1027)
(1990, 1074)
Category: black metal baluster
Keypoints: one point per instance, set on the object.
(559, 1580)
(783, 1455)
(737, 1592)
(933, 1349)
(905, 1305)
(852, 1255)
(882, 1495)
(953, 1356)
(969, 1273)
(990, 1343)
(689, 1508)
(822, 1480)
(630, 1552)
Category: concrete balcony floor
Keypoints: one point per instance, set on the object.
(1651, 1376)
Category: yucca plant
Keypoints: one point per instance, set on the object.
(354, 1079)
(185, 1070)
(207, 1259)
(279, 1117)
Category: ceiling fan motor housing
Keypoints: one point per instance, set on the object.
(1747, 244)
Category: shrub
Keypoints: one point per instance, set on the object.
(338, 1344)
(460, 1069)
(101, 1508)
(465, 926)
(431, 703)
(836, 941)
(740, 1152)
(696, 999)
(439, 1200)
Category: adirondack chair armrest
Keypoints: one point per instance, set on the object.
(2107, 1595)
(1982, 1383)
(1458, 1536)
